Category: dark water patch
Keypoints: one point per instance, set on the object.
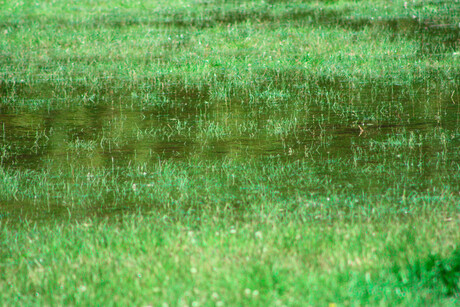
(284, 84)
(270, 89)
(345, 136)
(188, 93)
(44, 212)
(103, 132)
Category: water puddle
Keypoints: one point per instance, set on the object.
(99, 134)
(337, 135)
(101, 139)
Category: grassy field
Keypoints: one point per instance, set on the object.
(229, 153)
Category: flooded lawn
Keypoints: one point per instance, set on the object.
(361, 140)
(245, 153)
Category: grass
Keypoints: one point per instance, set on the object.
(81, 55)
(216, 153)
(220, 259)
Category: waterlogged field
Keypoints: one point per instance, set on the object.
(229, 153)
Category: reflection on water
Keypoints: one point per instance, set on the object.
(365, 128)
(99, 134)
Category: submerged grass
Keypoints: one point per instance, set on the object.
(220, 153)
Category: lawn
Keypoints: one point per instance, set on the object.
(229, 153)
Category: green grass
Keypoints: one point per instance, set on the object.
(229, 153)
(220, 259)
(88, 52)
